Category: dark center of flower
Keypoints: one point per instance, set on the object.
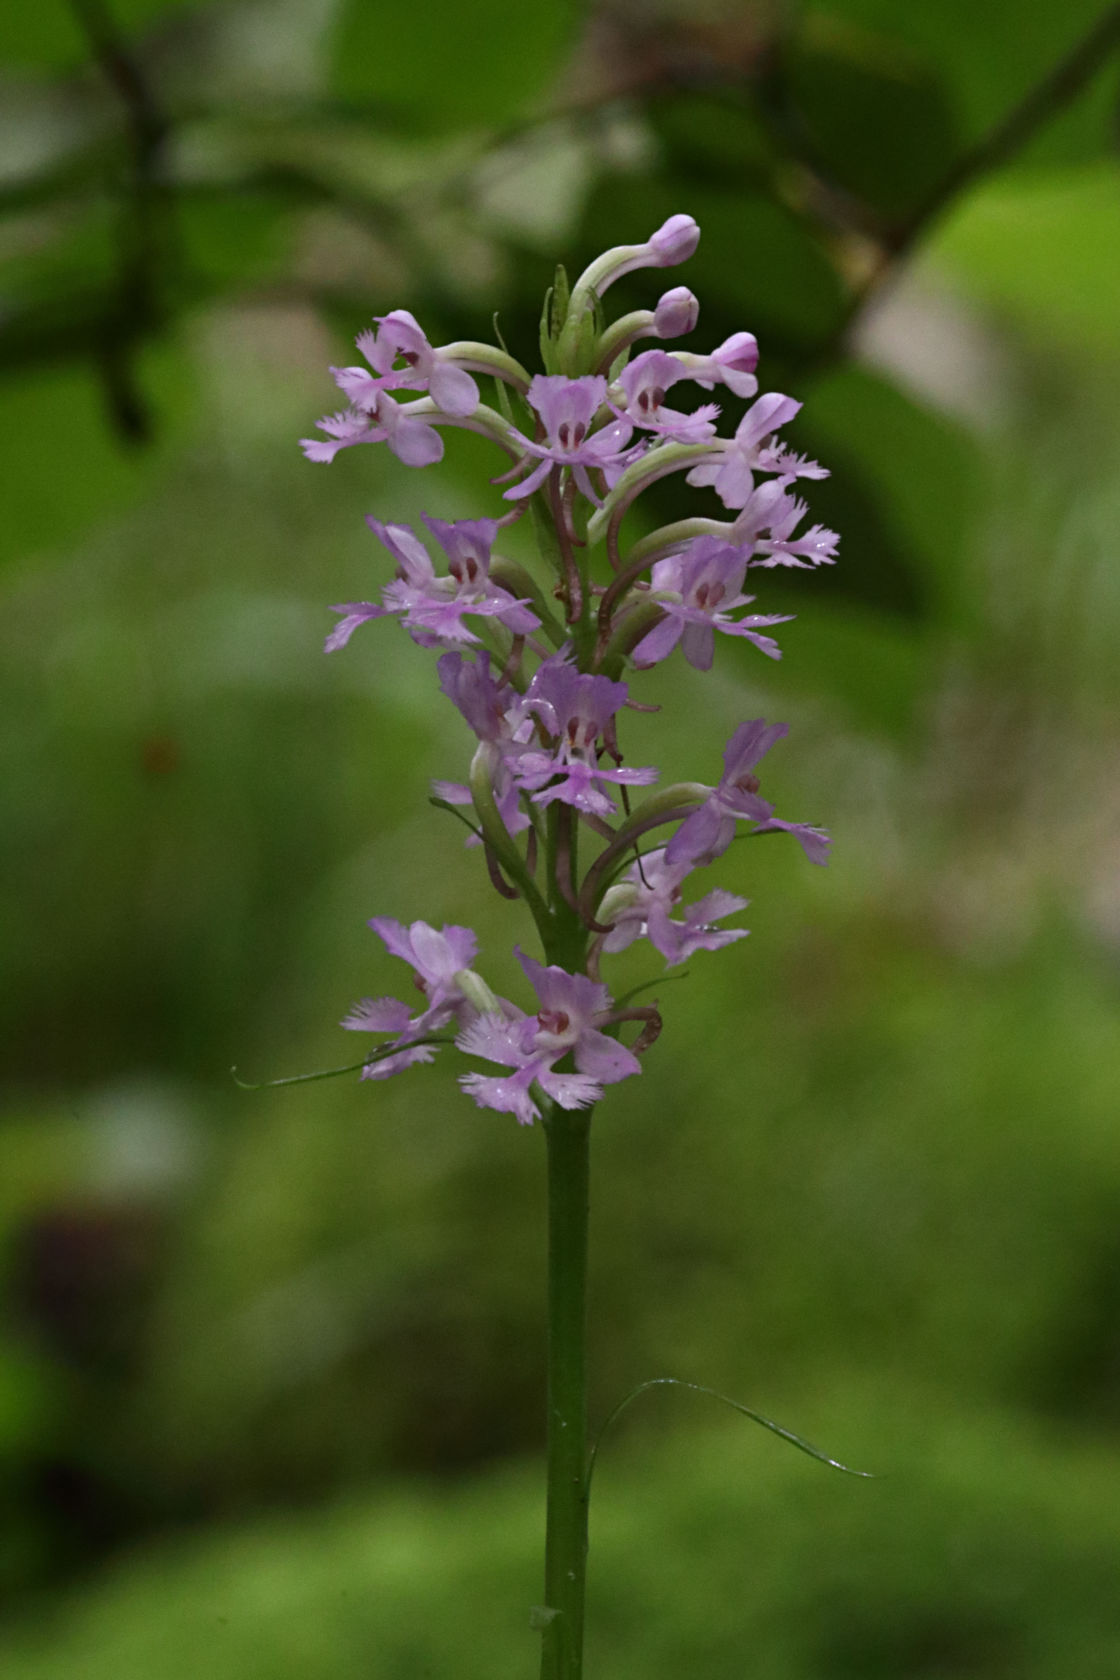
(747, 783)
(465, 568)
(570, 437)
(581, 732)
(554, 1021)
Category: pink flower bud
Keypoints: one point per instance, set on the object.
(737, 354)
(674, 242)
(677, 313)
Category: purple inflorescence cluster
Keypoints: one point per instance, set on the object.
(536, 664)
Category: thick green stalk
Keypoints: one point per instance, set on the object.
(568, 1138)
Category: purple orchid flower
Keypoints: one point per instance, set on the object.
(703, 585)
(572, 1007)
(496, 713)
(436, 958)
(432, 608)
(402, 340)
(567, 408)
(731, 363)
(706, 834)
(815, 547)
(644, 382)
(574, 709)
(646, 898)
(751, 450)
(412, 441)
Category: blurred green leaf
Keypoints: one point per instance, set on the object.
(1046, 250)
(66, 468)
(227, 239)
(41, 37)
(28, 1403)
(876, 667)
(450, 66)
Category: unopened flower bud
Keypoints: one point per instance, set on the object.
(677, 313)
(674, 241)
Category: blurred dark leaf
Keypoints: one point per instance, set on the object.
(989, 55)
(75, 251)
(881, 129)
(50, 36)
(903, 493)
(451, 66)
(920, 471)
(718, 141)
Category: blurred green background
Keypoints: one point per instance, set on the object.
(271, 1364)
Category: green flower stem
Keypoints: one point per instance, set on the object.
(487, 358)
(620, 335)
(568, 1134)
(649, 548)
(482, 420)
(499, 840)
(665, 458)
(509, 574)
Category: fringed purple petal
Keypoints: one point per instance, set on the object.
(356, 612)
